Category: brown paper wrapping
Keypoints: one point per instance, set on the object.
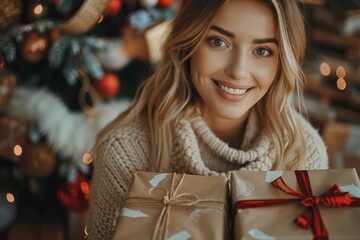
(198, 208)
(277, 221)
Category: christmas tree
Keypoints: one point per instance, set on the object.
(67, 68)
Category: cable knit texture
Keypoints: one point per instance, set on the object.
(195, 150)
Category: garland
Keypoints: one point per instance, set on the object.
(69, 134)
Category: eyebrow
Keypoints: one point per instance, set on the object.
(266, 40)
(230, 34)
(222, 31)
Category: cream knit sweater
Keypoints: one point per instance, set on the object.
(196, 150)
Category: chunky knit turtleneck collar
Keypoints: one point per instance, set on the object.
(204, 153)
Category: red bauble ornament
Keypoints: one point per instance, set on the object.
(113, 7)
(164, 3)
(108, 86)
(75, 196)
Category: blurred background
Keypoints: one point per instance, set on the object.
(68, 67)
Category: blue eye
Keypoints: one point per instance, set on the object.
(263, 52)
(217, 42)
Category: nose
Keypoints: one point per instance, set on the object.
(237, 67)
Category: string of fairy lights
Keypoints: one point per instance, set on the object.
(340, 72)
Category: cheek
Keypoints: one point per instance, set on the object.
(201, 63)
(268, 73)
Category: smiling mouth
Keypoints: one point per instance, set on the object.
(232, 91)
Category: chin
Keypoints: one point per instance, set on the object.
(232, 115)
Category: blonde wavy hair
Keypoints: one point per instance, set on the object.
(168, 95)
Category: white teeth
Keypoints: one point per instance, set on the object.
(232, 91)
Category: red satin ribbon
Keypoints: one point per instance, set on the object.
(311, 217)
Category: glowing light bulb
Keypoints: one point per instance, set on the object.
(38, 9)
(18, 150)
(87, 158)
(325, 69)
(341, 84)
(10, 197)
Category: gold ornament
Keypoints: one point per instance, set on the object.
(38, 160)
(85, 18)
(10, 12)
(33, 47)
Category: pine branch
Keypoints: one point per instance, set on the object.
(8, 48)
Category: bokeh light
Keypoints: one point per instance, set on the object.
(87, 158)
(325, 69)
(341, 84)
(340, 72)
(84, 186)
(38, 9)
(10, 197)
(18, 150)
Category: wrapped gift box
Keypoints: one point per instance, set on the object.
(174, 206)
(251, 191)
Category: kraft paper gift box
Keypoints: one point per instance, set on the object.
(296, 214)
(174, 206)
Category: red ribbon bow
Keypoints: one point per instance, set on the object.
(311, 217)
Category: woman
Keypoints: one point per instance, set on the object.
(220, 100)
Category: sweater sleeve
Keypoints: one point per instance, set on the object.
(116, 160)
(316, 156)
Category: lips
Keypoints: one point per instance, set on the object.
(232, 89)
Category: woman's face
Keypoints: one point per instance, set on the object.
(237, 60)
